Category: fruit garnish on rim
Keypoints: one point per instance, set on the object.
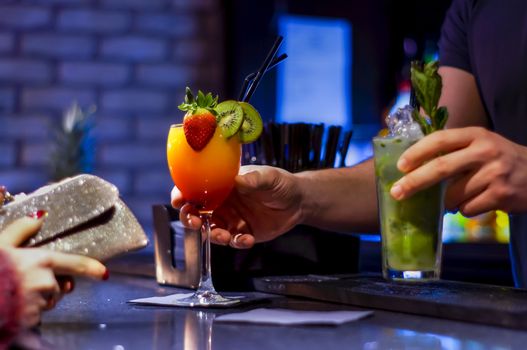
(236, 117)
(204, 114)
(229, 117)
(199, 122)
(252, 125)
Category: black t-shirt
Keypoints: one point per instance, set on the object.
(488, 38)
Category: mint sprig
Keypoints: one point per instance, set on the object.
(192, 103)
(427, 85)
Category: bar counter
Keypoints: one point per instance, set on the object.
(97, 316)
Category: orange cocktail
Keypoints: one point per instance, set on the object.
(205, 177)
(204, 155)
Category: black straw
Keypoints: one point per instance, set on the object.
(250, 77)
(344, 147)
(263, 69)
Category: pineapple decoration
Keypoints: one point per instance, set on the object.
(74, 149)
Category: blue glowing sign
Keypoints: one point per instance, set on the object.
(314, 83)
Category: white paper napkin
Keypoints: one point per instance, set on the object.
(293, 317)
(169, 300)
(164, 300)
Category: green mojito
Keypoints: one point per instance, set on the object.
(411, 228)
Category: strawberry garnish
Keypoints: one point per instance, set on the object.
(199, 129)
(199, 122)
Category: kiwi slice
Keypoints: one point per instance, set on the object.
(252, 125)
(229, 117)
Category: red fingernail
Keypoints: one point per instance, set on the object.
(38, 214)
(70, 286)
(106, 275)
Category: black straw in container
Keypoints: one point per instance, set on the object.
(316, 140)
(268, 147)
(331, 145)
(344, 147)
(264, 67)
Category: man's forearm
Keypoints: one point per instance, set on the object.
(341, 199)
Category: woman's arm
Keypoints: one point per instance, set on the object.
(10, 301)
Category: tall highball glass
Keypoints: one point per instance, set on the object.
(411, 228)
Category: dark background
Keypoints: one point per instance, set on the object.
(379, 28)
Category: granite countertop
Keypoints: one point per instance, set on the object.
(97, 316)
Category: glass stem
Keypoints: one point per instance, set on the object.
(205, 284)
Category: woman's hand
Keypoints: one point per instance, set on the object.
(265, 203)
(43, 274)
(486, 171)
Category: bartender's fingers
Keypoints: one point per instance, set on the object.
(462, 188)
(434, 171)
(238, 240)
(71, 264)
(176, 198)
(219, 233)
(20, 230)
(189, 217)
(251, 179)
(242, 241)
(220, 236)
(484, 202)
(439, 142)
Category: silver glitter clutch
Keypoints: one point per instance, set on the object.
(85, 216)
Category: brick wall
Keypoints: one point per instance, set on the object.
(131, 58)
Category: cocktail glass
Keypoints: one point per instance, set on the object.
(410, 228)
(205, 179)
